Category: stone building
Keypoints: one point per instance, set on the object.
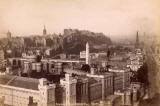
(16, 91)
(136, 60)
(103, 85)
(82, 89)
(121, 78)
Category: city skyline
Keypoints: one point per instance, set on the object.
(79, 52)
(112, 18)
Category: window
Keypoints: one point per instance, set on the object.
(14, 62)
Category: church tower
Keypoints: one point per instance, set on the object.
(9, 35)
(44, 31)
(137, 40)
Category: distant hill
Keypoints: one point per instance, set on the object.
(75, 40)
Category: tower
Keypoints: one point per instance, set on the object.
(87, 53)
(9, 34)
(69, 84)
(44, 31)
(137, 40)
(46, 93)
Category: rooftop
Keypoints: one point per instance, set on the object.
(21, 82)
(92, 81)
(118, 64)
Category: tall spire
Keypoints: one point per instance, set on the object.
(9, 34)
(44, 30)
(137, 40)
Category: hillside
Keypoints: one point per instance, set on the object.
(74, 41)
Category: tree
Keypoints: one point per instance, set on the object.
(142, 74)
(86, 68)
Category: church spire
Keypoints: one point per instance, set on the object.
(137, 40)
(9, 34)
(44, 30)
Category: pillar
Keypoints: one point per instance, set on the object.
(103, 89)
(87, 53)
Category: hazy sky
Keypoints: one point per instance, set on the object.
(112, 17)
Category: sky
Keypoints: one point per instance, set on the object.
(115, 18)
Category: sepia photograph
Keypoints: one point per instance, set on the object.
(79, 52)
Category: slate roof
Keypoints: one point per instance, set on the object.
(21, 82)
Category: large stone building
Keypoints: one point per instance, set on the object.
(136, 60)
(121, 78)
(82, 90)
(16, 91)
(100, 86)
